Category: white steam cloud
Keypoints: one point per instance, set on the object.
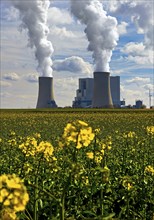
(34, 18)
(101, 30)
(141, 13)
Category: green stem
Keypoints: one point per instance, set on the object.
(35, 200)
(127, 206)
(62, 211)
(43, 190)
(102, 204)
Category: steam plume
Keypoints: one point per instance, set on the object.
(101, 30)
(34, 18)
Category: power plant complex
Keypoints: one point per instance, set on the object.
(102, 91)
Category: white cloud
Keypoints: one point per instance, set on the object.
(117, 72)
(141, 59)
(5, 94)
(132, 94)
(32, 78)
(11, 76)
(65, 90)
(4, 84)
(10, 14)
(73, 64)
(122, 28)
(61, 32)
(133, 48)
(138, 53)
(138, 80)
(148, 87)
(59, 16)
(141, 13)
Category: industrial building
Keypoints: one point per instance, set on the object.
(115, 90)
(86, 92)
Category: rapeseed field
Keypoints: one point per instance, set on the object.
(71, 164)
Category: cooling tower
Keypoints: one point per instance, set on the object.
(101, 93)
(45, 95)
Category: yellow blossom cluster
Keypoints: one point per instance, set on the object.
(46, 148)
(149, 169)
(31, 147)
(97, 156)
(79, 133)
(8, 214)
(127, 183)
(13, 193)
(90, 155)
(107, 144)
(130, 134)
(150, 130)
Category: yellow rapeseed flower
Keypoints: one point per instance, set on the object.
(82, 123)
(150, 130)
(13, 193)
(127, 183)
(8, 214)
(149, 169)
(46, 148)
(79, 133)
(90, 155)
(130, 134)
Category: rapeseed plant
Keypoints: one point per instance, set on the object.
(149, 169)
(8, 214)
(127, 183)
(90, 155)
(79, 133)
(150, 130)
(13, 193)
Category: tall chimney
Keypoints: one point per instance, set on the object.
(101, 93)
(45, 95)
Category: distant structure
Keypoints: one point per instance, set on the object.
(84, 94)
(139, 104)
(115, 90)
(45, 94)
(123, 103)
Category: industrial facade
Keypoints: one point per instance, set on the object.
(115, 90)
(84, 95)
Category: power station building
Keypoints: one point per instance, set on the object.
(115, 90)
(86, 92)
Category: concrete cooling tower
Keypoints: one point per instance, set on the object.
(45, 95)
(101, 93)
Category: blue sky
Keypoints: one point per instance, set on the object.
(132, 58)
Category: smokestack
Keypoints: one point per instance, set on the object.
(45, 95)
(102, 93)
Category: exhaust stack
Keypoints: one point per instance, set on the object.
(45, 95)
(102, 93)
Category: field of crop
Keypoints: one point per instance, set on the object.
(70, 164)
